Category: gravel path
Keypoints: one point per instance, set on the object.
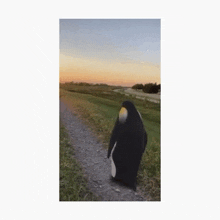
(93, 159)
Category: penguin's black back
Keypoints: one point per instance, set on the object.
(131, 140)
(127, 157)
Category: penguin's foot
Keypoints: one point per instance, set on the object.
(122, 183)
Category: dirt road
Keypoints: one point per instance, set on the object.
(140, 94)
(93, 159)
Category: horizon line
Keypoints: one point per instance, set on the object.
(93, 83)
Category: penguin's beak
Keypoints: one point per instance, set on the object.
(123, 115)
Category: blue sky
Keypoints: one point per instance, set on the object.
(137, 39)
(121, 41)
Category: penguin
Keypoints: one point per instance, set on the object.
(127, 144)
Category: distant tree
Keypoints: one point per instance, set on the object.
(159, 88)
(138, 86)
(154, 89)
(147, 87)
(151, 88)
(101, 84)
(83, 84)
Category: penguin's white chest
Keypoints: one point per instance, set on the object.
(112, 162)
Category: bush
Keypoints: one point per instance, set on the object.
(151, 88)
(138, 86)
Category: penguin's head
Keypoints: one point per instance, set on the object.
(123, 114)
(127, 108)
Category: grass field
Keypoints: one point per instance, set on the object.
(73, 185)
(99, 107)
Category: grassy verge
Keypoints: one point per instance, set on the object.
(99, 107)
(73, 185)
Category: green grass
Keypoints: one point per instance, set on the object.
(99, 107)
(73, 185)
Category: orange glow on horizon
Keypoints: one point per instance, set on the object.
(109, 72)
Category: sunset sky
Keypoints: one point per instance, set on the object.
(113, 51)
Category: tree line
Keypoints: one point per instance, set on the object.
(148, 88)
(85, 84)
